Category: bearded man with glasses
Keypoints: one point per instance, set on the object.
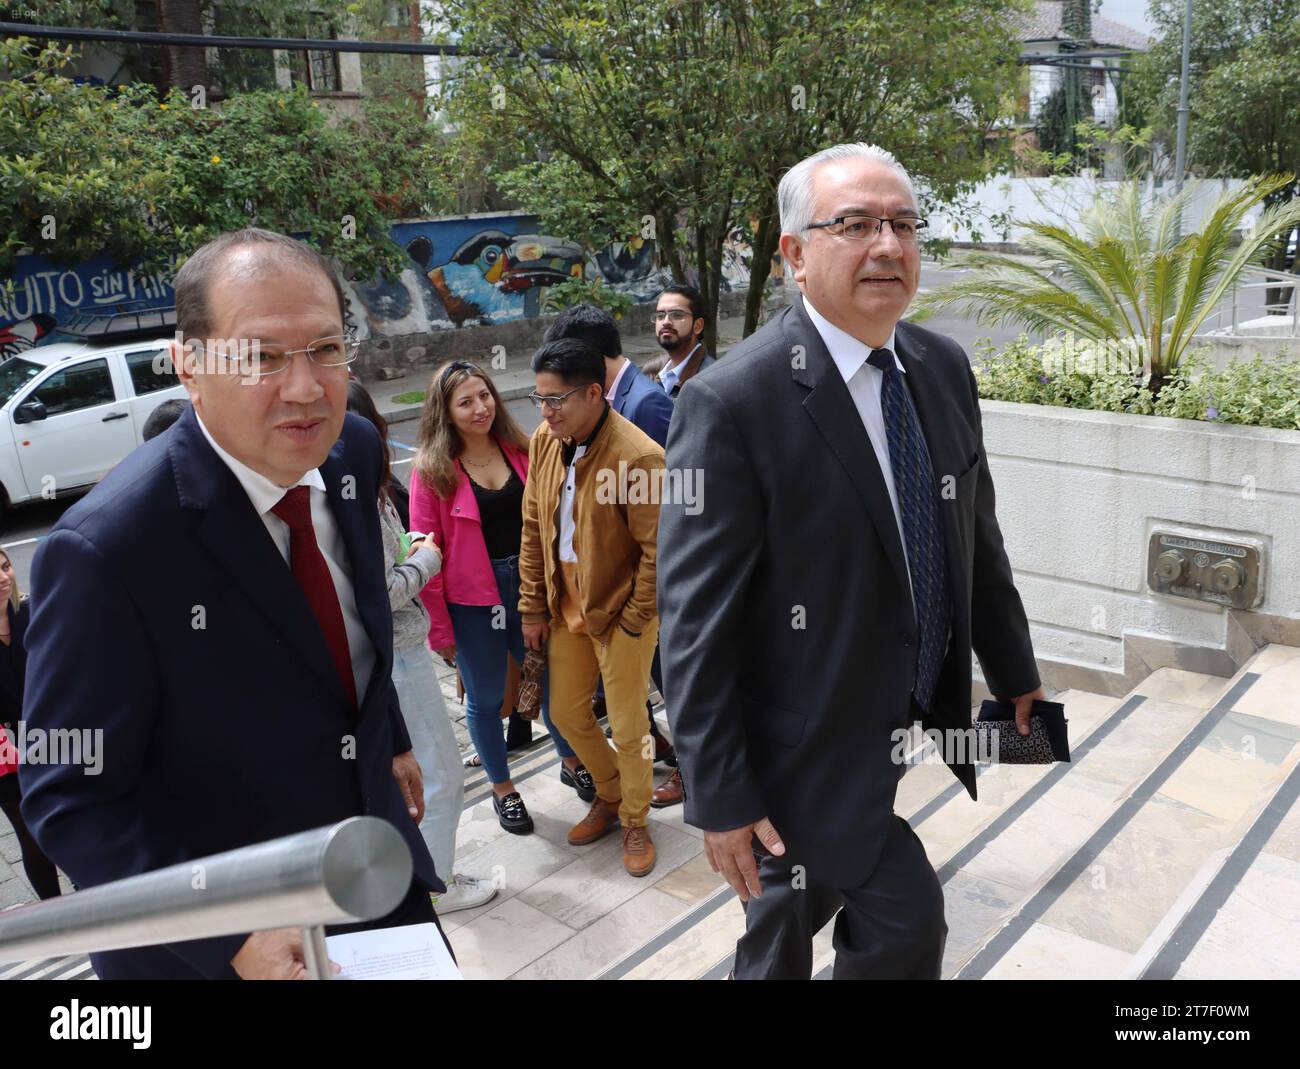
(679, 330)
(218, 608)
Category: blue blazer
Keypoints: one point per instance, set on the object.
(644, 403)
(164, 615)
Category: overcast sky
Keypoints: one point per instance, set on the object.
(1129, 12)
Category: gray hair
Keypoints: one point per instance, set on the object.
(194, 280)
(794, 195)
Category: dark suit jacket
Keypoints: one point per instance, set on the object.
(705, 361)
(790, 641)
(643, 402)
(164, 615)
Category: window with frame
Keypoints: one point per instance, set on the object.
(145, 378)
(84, 385)
(319, 71)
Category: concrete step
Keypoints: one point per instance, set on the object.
(75, 967)
(1239, 915)
(1157, 853)
(702, 946)
(990, 854)
(566, 912)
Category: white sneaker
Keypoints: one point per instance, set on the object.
(463, 892)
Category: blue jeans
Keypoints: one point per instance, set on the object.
(481, 650)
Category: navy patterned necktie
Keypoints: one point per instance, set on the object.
(918, 502)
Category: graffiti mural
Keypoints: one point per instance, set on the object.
(492, 275)
(24, 333)
(462, 271)
(41, 296)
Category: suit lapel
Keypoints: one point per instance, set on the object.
(624, 390)
(836, 418)
(240, 545)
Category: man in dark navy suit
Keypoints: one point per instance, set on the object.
(631, 394)
(217, 606)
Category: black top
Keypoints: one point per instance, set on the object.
(401, 499)
(501, 513)
(13, 664)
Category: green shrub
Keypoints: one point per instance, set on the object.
(1253, 393)
(581, 291)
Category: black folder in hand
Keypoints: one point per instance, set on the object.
(1046, 742)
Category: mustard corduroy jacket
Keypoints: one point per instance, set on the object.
(616, 527)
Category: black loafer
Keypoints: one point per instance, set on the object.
(512, 814)
(580, 780)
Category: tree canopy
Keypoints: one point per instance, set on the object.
(674, 119)
(1245, 88)
(86, 168)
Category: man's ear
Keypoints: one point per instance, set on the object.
(184, 360)
(791, 246)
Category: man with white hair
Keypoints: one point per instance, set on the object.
(830, 592)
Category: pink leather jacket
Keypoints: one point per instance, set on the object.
(454, 525)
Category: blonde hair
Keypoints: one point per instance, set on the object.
(440, 443)
(15, 595)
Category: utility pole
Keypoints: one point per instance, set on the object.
(1180, 154)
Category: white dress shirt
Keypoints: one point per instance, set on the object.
(265, 495)
(668, 373)
(864, 383)
(613, 389)
(566, 508)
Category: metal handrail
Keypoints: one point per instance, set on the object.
(1271, 279)
(356, 870)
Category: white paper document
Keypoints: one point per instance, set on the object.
(412, 952)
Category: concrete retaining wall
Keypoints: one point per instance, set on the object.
(1078, 495)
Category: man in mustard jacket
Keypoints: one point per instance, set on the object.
(587, 583)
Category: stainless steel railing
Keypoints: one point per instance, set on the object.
(356, 870)
(1229, 314)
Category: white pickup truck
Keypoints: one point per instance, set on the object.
(70, 411)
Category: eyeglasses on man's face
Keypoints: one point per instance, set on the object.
(255, 360)
(906, 228)
(555, 401)
(674, 315)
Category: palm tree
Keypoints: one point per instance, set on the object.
(186, 66)
(1130, 279)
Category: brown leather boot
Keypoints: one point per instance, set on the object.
(638, 851)
(599, 819)
(669, 792)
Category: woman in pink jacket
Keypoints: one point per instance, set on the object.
(467, 496)
(15, 611)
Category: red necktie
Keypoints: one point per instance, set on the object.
(313, 575)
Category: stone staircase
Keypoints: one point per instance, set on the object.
(1168, 848)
